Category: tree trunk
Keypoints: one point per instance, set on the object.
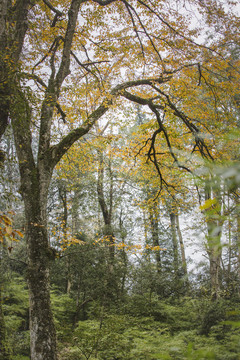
(35, 180)
(106, 210)
(13, 27)
(64, 225)
(175, 243)
(229, 265)
(214, 230)
(124, 256)
(182, 250)
(42, 330)
(153, 216)
(4, 87)
(237, 202)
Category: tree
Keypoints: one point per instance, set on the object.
(76, 56)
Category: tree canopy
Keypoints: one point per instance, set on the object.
(65, 66)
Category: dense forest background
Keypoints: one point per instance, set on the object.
(119, 180)
(140, 286)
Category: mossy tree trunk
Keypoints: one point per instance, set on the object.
(35, 180)
(13, 27)
(42, 330)
(106, 208)
(36, 174)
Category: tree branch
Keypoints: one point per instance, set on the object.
(57, 151)
(56, 11)
(104, 2)
(71, 26)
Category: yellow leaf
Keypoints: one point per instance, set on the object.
(208, 203)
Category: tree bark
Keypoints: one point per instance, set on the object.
(153, 216)
(106, 210)
(42, 330)
(64, 222)
(182, 250)
(4, 86)
(237, 203)
(35, 180)
(175, 243)
(214, 230)
(12, 33)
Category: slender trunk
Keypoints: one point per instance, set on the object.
(106, 210)
(182, 250)
(229, 266)
(74, 212)
(175, 243)
(214, 231)
(145, 228)
(63, 196)
(238, 238)
(153, 215)
(123, 254)
(76, 315)
(215, 260)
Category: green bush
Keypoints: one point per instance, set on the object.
(16, 308)
(103, 339)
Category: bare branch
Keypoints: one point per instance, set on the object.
(128, 6)
(35, 78)
(84, 66)
(203, 148)
(176, 31)
(57, 151)
(68, 39)
(200, 74)
(55, 41)
(146, 33)
(56, 11)
(104, 2)
(61, 112)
